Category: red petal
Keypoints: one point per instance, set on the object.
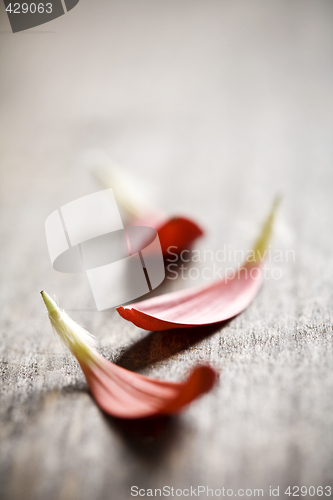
(196, 306)
(125, 394)
(178, 232)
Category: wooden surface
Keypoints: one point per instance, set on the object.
(218, 105)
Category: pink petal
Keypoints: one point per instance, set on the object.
(205, 305)
(214, 303)
(120, 392)
(125, 394)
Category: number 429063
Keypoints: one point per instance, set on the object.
(32, 8)
(311, 491)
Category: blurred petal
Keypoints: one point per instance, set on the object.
(178, 232)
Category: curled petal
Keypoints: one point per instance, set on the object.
(125, 394)
(195, 306)
(120, 392)
(205, 305)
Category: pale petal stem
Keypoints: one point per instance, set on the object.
(80, 342)
(261, 244)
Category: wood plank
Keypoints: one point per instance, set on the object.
(217, 106)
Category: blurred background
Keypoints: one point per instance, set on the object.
(216, 105)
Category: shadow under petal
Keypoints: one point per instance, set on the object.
(150, 438)
(158, 346)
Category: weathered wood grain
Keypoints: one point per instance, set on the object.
(219, 105)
